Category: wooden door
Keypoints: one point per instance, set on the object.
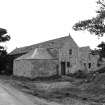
(63, 68)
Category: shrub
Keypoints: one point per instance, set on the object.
(80, 74)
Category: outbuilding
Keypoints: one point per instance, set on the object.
(36, 63)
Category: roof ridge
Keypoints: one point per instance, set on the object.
(45, 41)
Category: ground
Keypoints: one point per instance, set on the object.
(12, 96)
(60, 91)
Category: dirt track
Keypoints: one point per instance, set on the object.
(11, 96)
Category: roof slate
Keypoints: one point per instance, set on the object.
(85, 49)
(38, 53)
(55, 43)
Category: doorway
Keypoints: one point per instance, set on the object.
(63, 68)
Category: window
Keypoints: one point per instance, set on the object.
(70, 51)
(89, 65)
(68, 64)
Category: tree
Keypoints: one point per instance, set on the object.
(101, 50)
(3, 38)
(96, 24)
(3, 53)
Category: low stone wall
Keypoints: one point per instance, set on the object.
(51, 86)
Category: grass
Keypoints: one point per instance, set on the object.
(92, 92)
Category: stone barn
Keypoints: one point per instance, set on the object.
(36, 63)
(59, 56)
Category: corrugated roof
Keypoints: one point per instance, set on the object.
(55, 43)
(38, 53)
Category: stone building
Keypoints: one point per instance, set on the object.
(37, 62)
(59, 56)
(87, 60)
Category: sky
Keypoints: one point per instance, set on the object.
(33, 21)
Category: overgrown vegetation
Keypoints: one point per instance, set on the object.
(101, 50)
(63, 91)
(3, 53)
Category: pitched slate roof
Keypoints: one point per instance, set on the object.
(38, 53)
(85, 49)
(55, 43)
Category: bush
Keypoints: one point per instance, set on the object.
(80, 74)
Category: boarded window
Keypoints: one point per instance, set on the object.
(70, 52)
(68, 64)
